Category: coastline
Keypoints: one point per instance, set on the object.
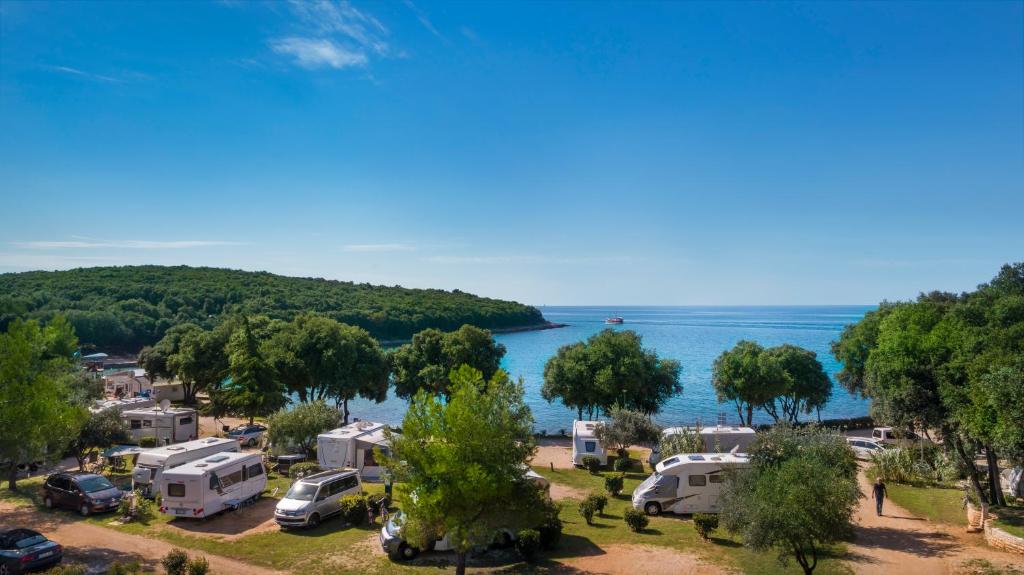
(502, 330)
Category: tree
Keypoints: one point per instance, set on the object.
(155, 358)
(611, 368)
(746, 377)
(199, 361)
(626, 428)
(684, 440)
(461, 463)
(806, 385)
(798, 496)
(36, 414)
(252, 390)
(102, 430)
(300, 425)
(427, 361)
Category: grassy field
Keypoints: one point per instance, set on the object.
(1011, 520)
(941, 504)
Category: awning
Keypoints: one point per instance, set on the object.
(371, 440)
(122, 451)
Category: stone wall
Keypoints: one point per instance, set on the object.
(978, 519)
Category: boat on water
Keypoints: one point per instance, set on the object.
(614, 320)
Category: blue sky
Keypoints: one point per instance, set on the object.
(565, 153)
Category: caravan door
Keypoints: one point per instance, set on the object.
(255, 479)
(695, 488)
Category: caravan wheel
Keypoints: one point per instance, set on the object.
(652, 508)
(84, 510)
(407, 552)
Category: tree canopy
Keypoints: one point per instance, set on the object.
(253, 389)
(426, 362)
(299, 426)
(625, 428)
(610, 369)
(127, 308)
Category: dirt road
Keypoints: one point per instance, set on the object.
(98, 547)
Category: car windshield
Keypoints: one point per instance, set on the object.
(29, 540)
(238, 431)
(302, 492)
(94, 484)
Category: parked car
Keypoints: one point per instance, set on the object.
(85, 492)
(248, 435)
(863, 447)
(316, 497)
(24, 550)
(894, 436)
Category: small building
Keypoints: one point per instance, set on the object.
(169, 390)
(127, 383)
(172, 425)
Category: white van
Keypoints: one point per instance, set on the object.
(687, 483)
(720, 439)
(316, 497)
(151, 464)
(584, 442)
(351, 447)
(216, 483)
(173, 425)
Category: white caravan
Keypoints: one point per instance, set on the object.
(213, 484)
(687, 483)
(171, 425)
(151, 465)
(352, 447)
(584, 442)
(717, 439)
(121, 405)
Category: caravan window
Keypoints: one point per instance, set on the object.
(590, 446)
(368, 459)
(136, 424)
(185, 420)
(698, 481)
(255, 470)
(147, 423)
(176, 489)
(214, 482)
(231, 478)
(716, 478)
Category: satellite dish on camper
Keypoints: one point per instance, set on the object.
(164, 404)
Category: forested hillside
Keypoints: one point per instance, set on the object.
(125, 308)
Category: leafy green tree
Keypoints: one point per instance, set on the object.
(200, 362)
(854, 346)
(100, 431)
(427, 361)
(746, 377)
(684, 440)
(461, 463)
(626, 428)
(37, 418)
(798, 496)
(806, 385)
(611, 368)
(252, 390)
(300, 425)
(154, 358)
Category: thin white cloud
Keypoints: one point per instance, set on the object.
(84, 74)
(122, 244)
(523, 259)
(312, 53)
(378, 248)
(425, 21)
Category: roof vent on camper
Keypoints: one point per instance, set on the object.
(217, 458)
(695, 457)
(363, 424)
(175, 448)
(200, 465)
(211, 440)
(670, 461)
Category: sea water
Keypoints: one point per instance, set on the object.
(694, 336)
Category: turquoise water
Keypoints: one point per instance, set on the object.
(693, 335)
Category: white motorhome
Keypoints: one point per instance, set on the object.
(720, 439)
(213, 484)
(584, 442)
(352, 446)
(122, 405)
(151, 465)
(687, 483)
(171, 425)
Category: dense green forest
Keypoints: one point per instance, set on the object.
(125, 308)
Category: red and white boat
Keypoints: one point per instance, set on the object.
(614, 320)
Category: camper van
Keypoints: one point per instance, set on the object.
(213, 484)
(352, 447)
(687, 483)
(720, 438)
(122, 405)
(150, 466)
(171, 425)
(584, 442)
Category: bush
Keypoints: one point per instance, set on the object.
(303, 469)
(354, 509)
(592, 463)
(198, 566)
(705, 524)
(135, 506)
(146, 442)
(685, 440)
(587, 510)
(118, 568)
(528, 543)
(613, 484)
(70, 569)
(635, 519)
(551, 528)
(622, 464)
(599, 502)
(175, 562)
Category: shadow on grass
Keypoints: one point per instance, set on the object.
(574, 546)
(724, 542)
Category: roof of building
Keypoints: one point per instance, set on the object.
(585, 428)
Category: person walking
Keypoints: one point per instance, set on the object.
(878, 492)
(383, 511)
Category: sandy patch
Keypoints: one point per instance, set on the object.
(556, 452)
(210, 427)
(231, 525)
(561, 491)
(631, 559)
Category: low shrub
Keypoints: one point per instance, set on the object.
(134, 506)
(354, 509)
(587, 510)
(175, 562)
(705, 524)
(551, 528)
(591, 463)
(599, 502)
(118, 568)
(69, 569)
(147, 442)
(613, 484)
(528, 543)
(198, 566)
(303, 469)
(622, 464)
(635, 519)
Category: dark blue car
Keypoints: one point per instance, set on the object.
(24, 550)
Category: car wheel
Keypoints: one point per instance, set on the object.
(503, 540)
(407, 552)
(84, 510)
(252, 442)
(48, 503)
(313, 520)
(652, 508)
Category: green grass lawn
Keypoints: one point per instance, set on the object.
(940, 504)
(1011, 520)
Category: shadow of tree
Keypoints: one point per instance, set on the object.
(922, 543)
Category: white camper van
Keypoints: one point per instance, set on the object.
(151, 464)
(720, 438)
(687, 483)
(213, 484)
(352, 447)
(584, 442)
(171, 425)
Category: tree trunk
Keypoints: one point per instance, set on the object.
(12, 477)
(251, 418)
(972, 471)
(995, 488)
(344, 404)
(579, 413)
(302, 394)
(460, 563)
(750, 415)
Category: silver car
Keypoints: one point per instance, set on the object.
(316, 497)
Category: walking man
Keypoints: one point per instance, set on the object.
(878, 492)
